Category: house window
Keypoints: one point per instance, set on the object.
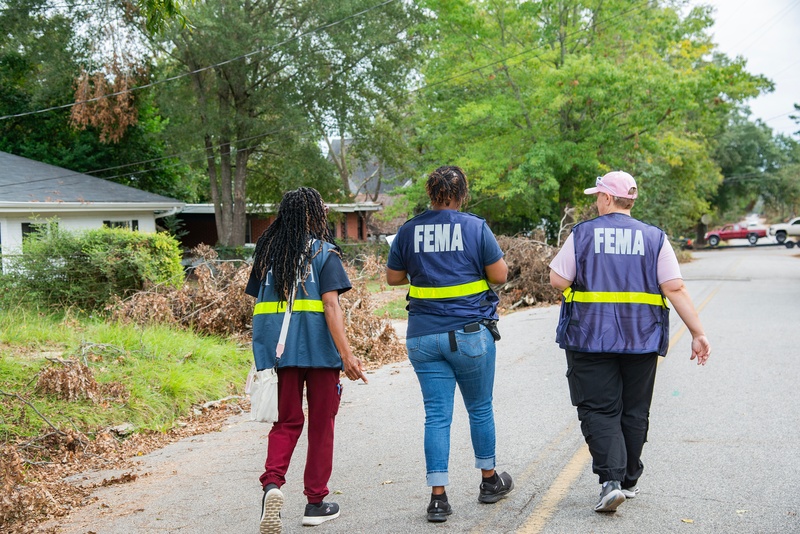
(360, 227)
(344, 227)
(36, 228)
(130, 225)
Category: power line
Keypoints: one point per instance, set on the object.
(44, 7)
(785, 69)
(772, 21)
(133, 173)
(782, 115)
(202, 69)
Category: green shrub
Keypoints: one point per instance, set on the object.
(86, 269)
(356, 251)
(234, 253)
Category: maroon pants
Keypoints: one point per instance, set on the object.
(323, 392)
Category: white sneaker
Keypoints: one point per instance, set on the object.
(630, 493)
(271, 512)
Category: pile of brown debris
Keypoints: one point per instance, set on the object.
(213, 302)
(528, 273)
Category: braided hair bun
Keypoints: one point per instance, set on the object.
(446, 185)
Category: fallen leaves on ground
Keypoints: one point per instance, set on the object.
(32, 474)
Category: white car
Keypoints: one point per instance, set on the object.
(781, 231)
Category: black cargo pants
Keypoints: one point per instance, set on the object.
(612, 393)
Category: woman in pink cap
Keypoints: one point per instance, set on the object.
(617, 273)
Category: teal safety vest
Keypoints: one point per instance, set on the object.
(309, 342)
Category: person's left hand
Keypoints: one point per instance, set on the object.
(354, 369)
(701, 349)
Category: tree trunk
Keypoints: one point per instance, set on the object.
(239, 229)
(214, 183)
(223, 210)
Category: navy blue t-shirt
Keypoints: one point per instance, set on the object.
(332, 277)
(487, 253)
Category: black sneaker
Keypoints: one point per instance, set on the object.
(438, 511)
(271, 504)
(494, 492)
(611, 497)
(316, 514)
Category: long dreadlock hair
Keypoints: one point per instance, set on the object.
(285, 245)
(447, 183)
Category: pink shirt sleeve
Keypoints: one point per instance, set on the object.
(564, 262)
(667, 268)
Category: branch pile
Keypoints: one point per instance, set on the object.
(528, 273)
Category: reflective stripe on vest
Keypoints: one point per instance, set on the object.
(615, 297)
(461, 290)
(280, 307)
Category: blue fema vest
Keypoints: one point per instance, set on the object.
(615, 304)
(309, 342)
(442, 252)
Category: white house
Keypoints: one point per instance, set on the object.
(33, 193)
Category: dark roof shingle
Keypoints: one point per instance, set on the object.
(26, 180)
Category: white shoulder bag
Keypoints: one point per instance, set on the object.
(263, 385)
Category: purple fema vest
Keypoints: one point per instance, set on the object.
(615, 304)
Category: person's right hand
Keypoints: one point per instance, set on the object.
(354, 369)
(701, 349)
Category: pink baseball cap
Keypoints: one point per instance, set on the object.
(617, 184)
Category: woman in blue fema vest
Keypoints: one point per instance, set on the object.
(297, 254)
(615, 272)
(449, 258)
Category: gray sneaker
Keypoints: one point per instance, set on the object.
(631, 492)
(271, 504)
(611, 496)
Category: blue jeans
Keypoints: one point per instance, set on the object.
(439, 369)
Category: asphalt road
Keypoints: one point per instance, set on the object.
(723, 456)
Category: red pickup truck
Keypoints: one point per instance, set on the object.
(735, 231)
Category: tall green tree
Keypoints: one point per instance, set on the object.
(268, 80)
(749, 157)
(535, 99)
(357, 86)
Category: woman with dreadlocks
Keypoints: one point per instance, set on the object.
(297, 263)
(449, 258)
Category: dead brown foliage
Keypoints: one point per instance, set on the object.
(104, 99)
(214, 302)
(32, 473)
(69, 381)
(528, 273)
(372, 338)
(17, 500)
